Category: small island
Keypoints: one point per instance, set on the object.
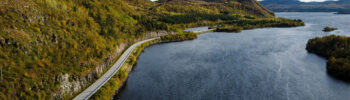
(343, 12)
(329, 29)
(337, 50)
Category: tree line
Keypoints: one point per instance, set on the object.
(179, 36)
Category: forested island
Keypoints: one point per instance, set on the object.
(337, 50)
(343, 12)
(329, 29)
(53, 49)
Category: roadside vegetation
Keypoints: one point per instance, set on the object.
(229, 28)
(329, 29)
(179, 37)
(337, 50)
(116, 82)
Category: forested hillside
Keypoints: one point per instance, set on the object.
(245, 7)
(52, 49)
(337, 50)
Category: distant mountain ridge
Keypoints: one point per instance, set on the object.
(296, 5)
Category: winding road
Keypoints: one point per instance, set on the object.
(88, 92)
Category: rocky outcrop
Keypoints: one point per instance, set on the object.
(70, 84)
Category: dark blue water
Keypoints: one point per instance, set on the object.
(259, 64)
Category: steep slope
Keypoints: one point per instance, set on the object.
(52, 49)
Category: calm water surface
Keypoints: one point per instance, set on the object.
(259, 64)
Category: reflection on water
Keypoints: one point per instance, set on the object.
(259, 64)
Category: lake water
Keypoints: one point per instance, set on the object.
(259, 64)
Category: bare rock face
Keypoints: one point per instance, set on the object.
(70, 84)
(156, 34)
(67, 86)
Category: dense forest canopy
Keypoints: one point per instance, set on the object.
(244, 7)
(337, 50)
